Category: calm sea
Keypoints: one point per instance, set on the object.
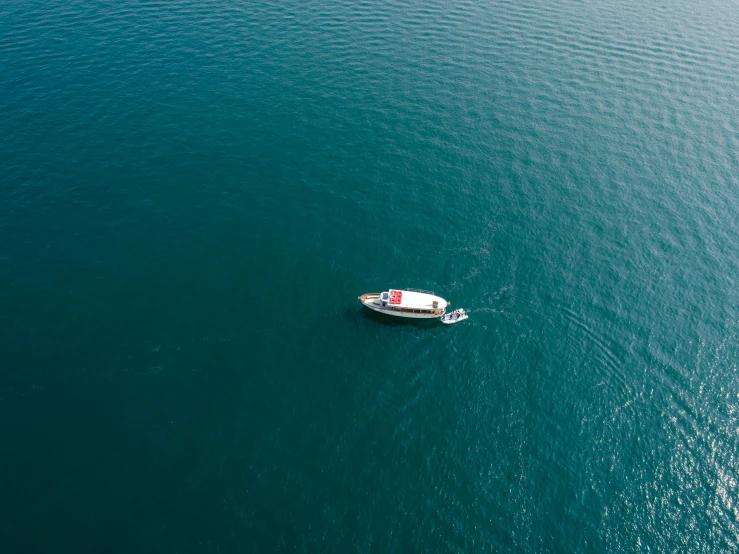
(194, 193)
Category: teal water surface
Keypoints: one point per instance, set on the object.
(193, 194)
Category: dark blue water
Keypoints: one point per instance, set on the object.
(193, 195)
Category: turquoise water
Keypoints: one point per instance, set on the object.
(193, 195)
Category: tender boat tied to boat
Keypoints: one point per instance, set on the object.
(413, 303)
(454, 317)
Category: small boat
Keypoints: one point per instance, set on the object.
(454, 317)
(413, 303)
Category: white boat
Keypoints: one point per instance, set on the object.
(454, 317)
(413, 303)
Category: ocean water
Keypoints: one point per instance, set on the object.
(194, 193)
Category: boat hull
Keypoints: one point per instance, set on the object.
(368, 301)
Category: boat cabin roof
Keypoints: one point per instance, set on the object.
(413, 299)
